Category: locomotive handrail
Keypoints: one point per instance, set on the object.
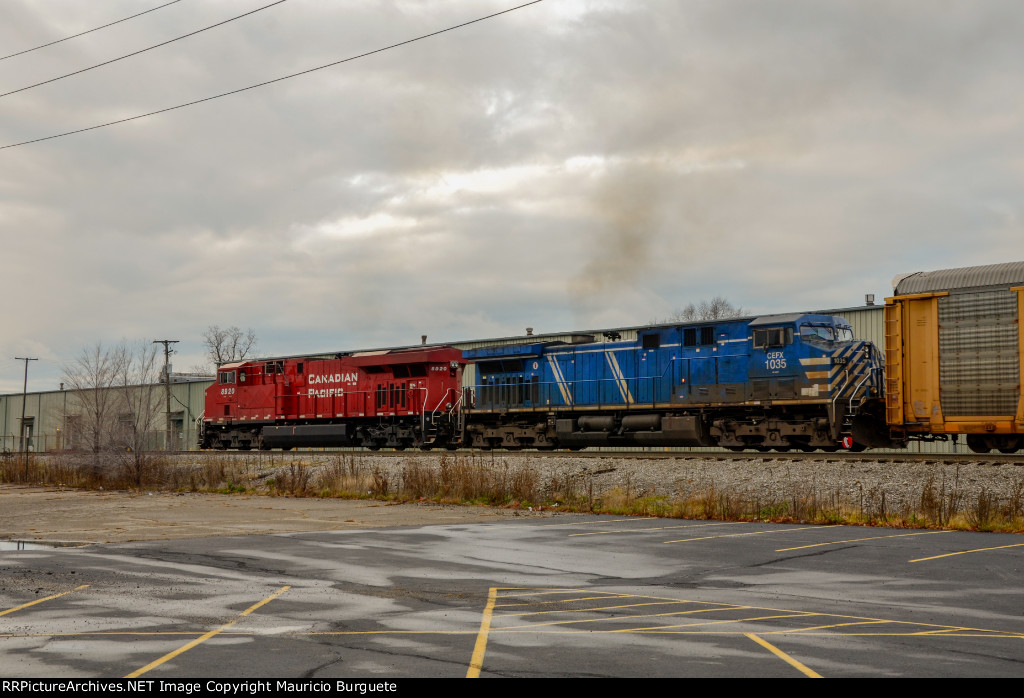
(457, 403)
(423, 412)
(853, 393)
(438, 406)
(839, 392)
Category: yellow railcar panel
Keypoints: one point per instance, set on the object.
(921, 361)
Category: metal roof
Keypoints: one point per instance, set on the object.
(1007, 274)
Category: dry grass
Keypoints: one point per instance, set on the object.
(484, 479)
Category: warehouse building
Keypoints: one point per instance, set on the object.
(59, 420)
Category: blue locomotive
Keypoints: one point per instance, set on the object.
(797, 381)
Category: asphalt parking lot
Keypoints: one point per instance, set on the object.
(566, 596)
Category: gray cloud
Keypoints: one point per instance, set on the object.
(573, 164)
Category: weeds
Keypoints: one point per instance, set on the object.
(488, 479)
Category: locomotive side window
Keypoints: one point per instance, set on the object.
(227, 377)
(698, 336)
(651, 341)
(773, 337)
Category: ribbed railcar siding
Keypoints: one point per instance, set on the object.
(979, 360)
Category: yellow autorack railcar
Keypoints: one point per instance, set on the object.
(953, 356)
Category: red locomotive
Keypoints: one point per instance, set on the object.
(376, 399)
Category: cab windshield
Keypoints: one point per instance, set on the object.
(817, 332)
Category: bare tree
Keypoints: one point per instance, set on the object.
(717, 308)
(224, 345)
(92, 410)
(140, 403)
(114, 405)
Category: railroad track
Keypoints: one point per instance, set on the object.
(728, 456)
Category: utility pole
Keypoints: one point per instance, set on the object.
(167, 384)
(23, 443)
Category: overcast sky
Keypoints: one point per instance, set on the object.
(574, 164)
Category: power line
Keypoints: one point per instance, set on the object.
(135, 53)
(269, 82)
(73, 36)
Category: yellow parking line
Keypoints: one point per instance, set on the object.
(733, 535)
(826, 627)
(784, 657)
(659, 528)
(589, 609)
(528, 591)
(477, 660)
(206, 636)
(964, 552)
(594, 523)
(855, 540)
(639, 615)
(33, 603)
(656, 629)
(558, 601)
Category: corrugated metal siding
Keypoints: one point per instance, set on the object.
(979, 356)
(868, 323)
(1005, 275)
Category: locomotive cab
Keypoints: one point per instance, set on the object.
(810, 368)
